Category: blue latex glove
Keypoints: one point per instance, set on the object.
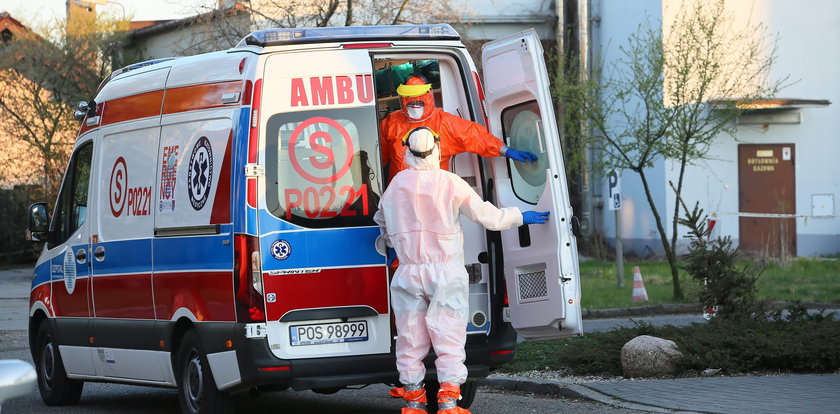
(392, 255)
(535, 217)
(521, 156)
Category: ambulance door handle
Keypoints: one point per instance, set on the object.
(81, 256)
(99, 253)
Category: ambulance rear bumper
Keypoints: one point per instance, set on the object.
(259, 367)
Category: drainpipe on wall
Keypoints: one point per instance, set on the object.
(586, 223)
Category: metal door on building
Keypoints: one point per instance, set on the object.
(767, 195)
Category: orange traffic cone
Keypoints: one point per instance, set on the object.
(639, 292)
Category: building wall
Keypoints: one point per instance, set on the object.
(808, 50)
(492, 19)
(615, 21)
(809, 33)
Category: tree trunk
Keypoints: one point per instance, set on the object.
(663, 237)
(349, 20)
(678, 195)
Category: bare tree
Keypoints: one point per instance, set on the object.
(43, 73)
(654, 103)
(217, 27)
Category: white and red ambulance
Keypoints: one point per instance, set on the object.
(214, 228)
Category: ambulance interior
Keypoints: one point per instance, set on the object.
(446, 76)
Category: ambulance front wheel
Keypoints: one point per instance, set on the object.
(197, 392)
(53, 384)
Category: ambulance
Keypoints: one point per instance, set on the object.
(213, 231)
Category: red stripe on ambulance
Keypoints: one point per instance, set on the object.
(221, 203)
(41, 293)
(75, 304)
(193, 98)
(123, 296)
(365, 286)
(138, 106)
(208, 295)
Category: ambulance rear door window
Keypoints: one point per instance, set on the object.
(323, 167)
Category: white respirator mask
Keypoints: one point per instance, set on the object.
(415, 109)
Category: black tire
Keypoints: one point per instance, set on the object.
(468, 390)
(197, 392)
(53, 384)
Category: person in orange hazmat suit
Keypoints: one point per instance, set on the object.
(457, 134)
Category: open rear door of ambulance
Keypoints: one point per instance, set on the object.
(541, 264)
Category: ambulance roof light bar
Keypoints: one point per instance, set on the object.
(276, 37)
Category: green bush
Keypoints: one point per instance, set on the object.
(795, 342)
(724, 286)
(14, 210)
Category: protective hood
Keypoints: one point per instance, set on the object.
(422, 150)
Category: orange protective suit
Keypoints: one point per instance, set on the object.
(457, 135)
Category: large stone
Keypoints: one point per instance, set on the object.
(648, 356)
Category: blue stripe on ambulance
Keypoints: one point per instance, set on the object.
(184, 253)
(347, 247)
(124, 256)
(241, 215)
(42, 274)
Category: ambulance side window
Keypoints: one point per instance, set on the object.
(71, 208)
(523, 130)
(323, 167)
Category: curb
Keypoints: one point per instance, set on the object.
(566, 390)
(678, 308)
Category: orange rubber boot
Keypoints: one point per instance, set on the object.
(397, 392)
(448, 397)
(415, 401)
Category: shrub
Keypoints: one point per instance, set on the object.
(14, 210)
(725, 286)
(791, 341)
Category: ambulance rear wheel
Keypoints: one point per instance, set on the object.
(468, 390)
(53, 384)
(197, 392)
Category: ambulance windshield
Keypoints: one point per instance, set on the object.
(324, 167)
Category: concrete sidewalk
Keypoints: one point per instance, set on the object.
(788, 394)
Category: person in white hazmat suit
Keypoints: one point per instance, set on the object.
(419, 217)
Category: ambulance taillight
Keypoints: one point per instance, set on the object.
(481, 98)
(250, 306)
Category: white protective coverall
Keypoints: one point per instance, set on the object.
(418, 215)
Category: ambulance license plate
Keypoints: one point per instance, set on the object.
(328, 333)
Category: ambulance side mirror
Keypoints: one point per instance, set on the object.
(38, 228)
(85, 109)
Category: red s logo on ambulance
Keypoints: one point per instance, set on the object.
(118, 184)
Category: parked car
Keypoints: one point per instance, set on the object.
(17, 378)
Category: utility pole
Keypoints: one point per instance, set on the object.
(615, 205)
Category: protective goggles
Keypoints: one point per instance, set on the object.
(420, 154)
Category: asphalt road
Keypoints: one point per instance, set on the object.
(116, 398)
(99, 398)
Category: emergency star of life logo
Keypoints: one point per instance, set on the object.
(281, 249)
(315, 132)
(200, 173)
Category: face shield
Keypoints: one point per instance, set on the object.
(416, 98)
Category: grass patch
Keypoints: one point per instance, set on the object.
(806, 280)
(796, 343)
